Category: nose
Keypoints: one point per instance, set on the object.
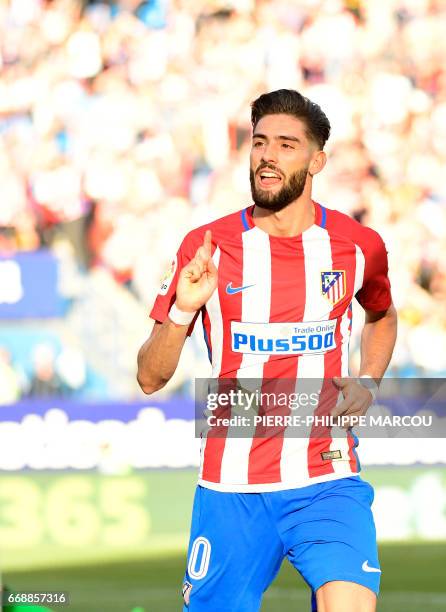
(269, 153)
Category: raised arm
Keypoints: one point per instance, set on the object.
(159, 355)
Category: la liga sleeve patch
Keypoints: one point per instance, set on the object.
(168, 277)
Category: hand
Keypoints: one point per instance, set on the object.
(356, 402)
(198, 279)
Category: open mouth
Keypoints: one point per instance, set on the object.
(268, 177)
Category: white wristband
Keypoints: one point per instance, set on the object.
(370, 384)
(180, 317)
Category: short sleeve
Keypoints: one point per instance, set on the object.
(375, 292)
(167, 292)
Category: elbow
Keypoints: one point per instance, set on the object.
(148, 371)
(150, 386)
(147, 389)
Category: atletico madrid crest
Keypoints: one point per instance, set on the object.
(333, 285)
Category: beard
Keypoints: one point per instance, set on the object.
(290, 191)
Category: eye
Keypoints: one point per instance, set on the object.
(257, 144)
(286, 146)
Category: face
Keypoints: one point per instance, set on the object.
(280, 157)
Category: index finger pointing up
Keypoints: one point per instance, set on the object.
(207, 242)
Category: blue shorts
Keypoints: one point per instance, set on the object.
(239, 540)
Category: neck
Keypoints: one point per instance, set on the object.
(290, 221)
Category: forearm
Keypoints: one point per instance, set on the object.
(159, 355)
(377, 343)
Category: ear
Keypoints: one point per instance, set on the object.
(318, 161)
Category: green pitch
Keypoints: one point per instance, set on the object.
(413, 580)
(117, 544)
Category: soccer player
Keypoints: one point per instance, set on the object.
(283, 264)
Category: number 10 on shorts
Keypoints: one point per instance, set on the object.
(200, 555)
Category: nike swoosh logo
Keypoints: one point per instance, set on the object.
(367, 568)
(231, 290)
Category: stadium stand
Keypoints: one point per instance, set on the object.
(123, 124)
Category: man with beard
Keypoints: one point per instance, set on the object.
(274, 285)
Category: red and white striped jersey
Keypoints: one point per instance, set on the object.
(267, 284)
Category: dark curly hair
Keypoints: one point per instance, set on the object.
(291, 102)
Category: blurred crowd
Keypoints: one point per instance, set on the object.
(50, 375)
(123, 124)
